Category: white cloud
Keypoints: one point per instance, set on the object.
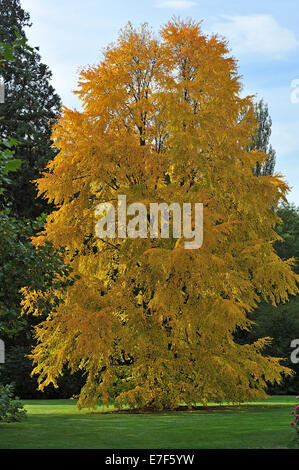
(176, 4)
(256, 35)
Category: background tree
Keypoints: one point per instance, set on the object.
(23, 264)
(150, 322)
(261, 140)
(42, 268)
(280, 322)
(31, 106)
(288, 229)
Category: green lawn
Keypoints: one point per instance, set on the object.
(57, 424)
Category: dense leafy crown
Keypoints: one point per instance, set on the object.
(150, 322)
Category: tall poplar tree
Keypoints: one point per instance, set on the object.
(30, 109)
(261, 140)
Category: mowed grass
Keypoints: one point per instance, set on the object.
(58, 424)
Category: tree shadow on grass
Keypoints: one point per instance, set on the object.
(254, 407)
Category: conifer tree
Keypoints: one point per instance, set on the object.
(149, 321)
(31, 106)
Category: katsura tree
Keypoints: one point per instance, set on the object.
(150, 322)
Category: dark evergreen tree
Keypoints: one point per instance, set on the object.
(30, 109)
(289, 231)
(261, 139)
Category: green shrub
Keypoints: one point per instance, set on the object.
(10, 409)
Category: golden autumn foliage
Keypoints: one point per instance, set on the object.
(150, 322)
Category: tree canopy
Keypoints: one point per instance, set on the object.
(31, 107)
(261, 140)
(150, 322)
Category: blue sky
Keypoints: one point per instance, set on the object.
(263, 36)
